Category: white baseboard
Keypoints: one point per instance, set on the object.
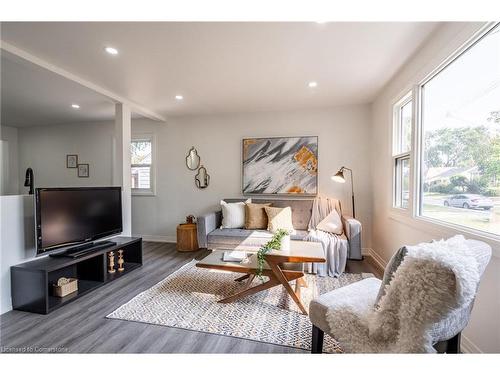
(468, 346)
(380, 263)
(155, 238)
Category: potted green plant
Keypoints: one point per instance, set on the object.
(279, 241)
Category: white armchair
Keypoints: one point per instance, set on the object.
(405, 312)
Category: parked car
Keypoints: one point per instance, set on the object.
(469, 201)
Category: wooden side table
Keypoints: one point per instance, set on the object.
(187, 239)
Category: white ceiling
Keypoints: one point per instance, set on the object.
(34, 96)
(227, 67)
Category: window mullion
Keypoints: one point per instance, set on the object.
(402, 154)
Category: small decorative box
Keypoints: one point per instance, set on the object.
(65, 286)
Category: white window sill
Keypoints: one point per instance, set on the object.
(443, 230)
(143, 193)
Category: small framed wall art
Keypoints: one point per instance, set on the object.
(71, 161)
(83, 170)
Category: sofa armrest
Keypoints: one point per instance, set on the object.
(206, 224)
(352, 230)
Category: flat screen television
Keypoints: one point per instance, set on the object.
(72, 216)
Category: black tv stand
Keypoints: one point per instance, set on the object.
(31, 282)
(84, 249)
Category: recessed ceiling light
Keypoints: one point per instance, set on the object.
(321, 22)
(179, 97)
(75, 106)
(111, 50)
(312, 84)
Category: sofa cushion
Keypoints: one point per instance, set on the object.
(244, 239)
(332, 223)
(233, 214)
(279, 218)
(301, 208)
(255, 215)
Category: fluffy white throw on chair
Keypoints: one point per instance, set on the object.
(433, 279)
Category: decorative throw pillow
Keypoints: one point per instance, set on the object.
(332, 223)
(391, 267)
(233, 214)
(279, 218)
(255, 215)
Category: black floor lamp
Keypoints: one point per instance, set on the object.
(339, 177)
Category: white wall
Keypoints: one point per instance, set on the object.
(9, 156)
(391, 232)
(44, 148)
(343, 140)
(17, 239)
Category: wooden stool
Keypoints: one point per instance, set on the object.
(187, 239)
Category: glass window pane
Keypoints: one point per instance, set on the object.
(141, 152)
(402, 183)
(461, 139)
(405, 126)
(141, 177)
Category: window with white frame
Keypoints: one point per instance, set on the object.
(141, 152)
(401, 151)
(459, 173)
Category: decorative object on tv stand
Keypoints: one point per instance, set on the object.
(190, 219)
(192, 159)
(65, 286)
(111, 262)
(71, 161)
(83, 170)
(29, 181)
(120, 261)
(202, 178)
(280, 166)
(339, 177)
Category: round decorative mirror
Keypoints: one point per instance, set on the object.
(192, 159)
(202, 178)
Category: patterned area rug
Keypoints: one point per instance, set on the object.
(188, 299)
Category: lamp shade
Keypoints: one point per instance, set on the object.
(339, 176)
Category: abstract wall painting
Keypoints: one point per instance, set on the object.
(280, 166)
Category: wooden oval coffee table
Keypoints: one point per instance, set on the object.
(300, 252)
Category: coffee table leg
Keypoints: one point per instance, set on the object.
(303, 281)
(283, 280)
(246, 292)
(244, 277)
(300, 283)
(249, 281)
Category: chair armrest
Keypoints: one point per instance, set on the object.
(358, 297)
(206, 224)
(352, 230)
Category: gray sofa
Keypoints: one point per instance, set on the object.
(210, 235)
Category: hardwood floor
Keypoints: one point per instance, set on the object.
(82, 326)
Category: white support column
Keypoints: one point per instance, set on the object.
(121, 168)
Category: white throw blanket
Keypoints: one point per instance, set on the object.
(433, 279)
(335, 247)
